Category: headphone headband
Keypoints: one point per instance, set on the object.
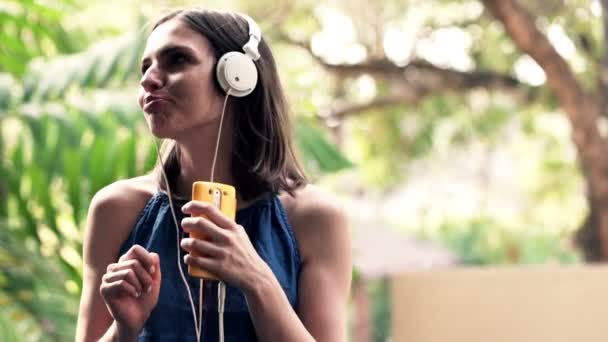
(255, 36)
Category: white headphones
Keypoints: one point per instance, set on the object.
(235, 71)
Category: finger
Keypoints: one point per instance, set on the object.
(204, 263)
(156, 275)
(120, 287)
(203, 226)
(111, 267)
(197, 208)
(127, 275)
(143, 276)
(200, 247)
(141, 254)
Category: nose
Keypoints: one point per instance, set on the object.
(153, 79)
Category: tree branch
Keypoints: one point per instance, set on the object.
(420, 78)
(343, 112)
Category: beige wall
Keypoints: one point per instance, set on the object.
(531, 304)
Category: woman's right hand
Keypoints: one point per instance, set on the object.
(130, 288)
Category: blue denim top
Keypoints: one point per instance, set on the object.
(266, 225)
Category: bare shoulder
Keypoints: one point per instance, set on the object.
(311, 201)
(113, 211)
(318, 220)
(129, 192)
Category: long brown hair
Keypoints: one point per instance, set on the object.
(263, 156)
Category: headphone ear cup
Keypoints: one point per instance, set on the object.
(237, 72)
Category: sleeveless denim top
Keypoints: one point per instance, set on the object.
(266, 225)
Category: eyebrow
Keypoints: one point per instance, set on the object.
(170, 49)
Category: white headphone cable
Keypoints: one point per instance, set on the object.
(221, 293)
(179, 265)
(221, 286)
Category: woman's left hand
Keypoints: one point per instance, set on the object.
(228, 253)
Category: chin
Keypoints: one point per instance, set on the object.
(162, 132)
(159, 134)
(159, 125)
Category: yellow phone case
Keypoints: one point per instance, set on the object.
(222, 196)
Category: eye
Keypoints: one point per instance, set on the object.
(178, 58)
(144, 67)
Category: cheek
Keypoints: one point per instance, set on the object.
(196, 95)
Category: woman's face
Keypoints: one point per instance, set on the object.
(177, 93)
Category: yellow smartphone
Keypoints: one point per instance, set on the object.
(223, 196)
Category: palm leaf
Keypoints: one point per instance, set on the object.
(95, 67)
(318, 154)
(73, 161)
(25, 27)
(7, 329)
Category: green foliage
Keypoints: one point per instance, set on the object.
(52, 171)
(33, 291)
(319, 155)
(401, 135)
(7, 327)
(381, 157)
(107, 64)
(29, 29)
(379, 292)
(484, 241)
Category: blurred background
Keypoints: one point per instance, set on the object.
(460, 135)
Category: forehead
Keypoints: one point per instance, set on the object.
(175, 32)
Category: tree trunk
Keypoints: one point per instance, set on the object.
(582, 109)
(603, 69)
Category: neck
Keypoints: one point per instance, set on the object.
(196, 158)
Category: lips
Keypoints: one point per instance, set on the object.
(152, 101)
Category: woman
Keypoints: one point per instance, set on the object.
(286, 260)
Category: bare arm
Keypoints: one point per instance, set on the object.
(108, 224)
(324, 238)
